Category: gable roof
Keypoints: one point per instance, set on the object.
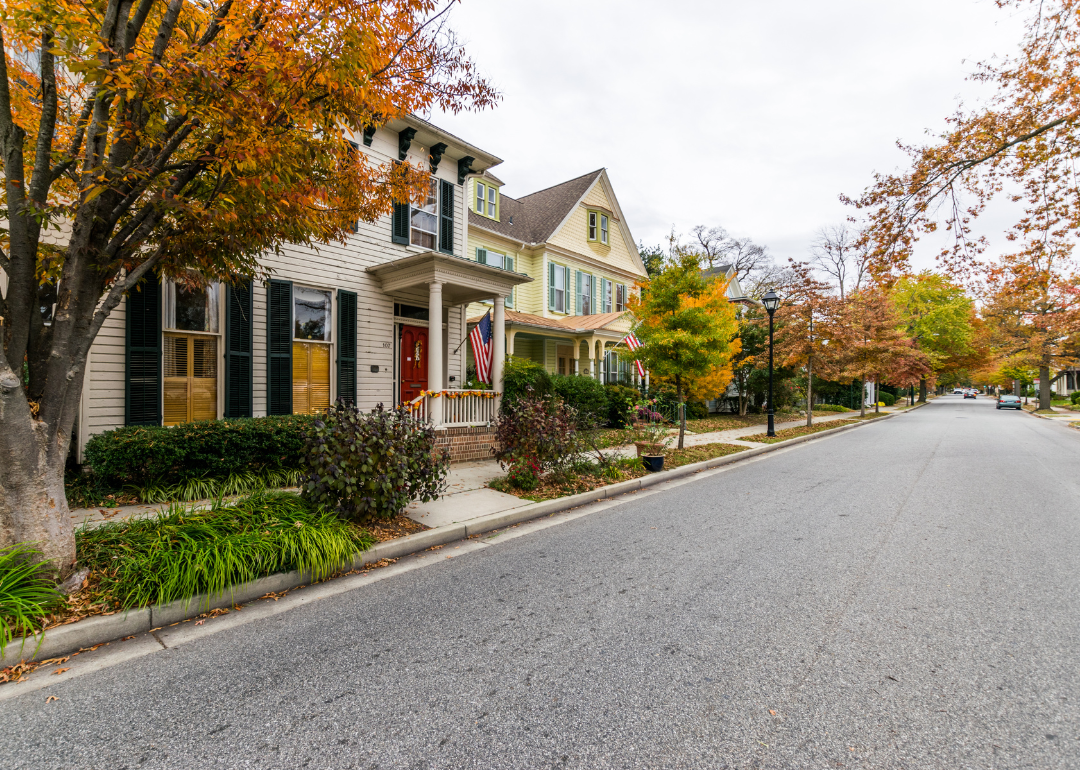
(534, 218)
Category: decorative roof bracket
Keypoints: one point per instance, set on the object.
(404, 142)
(464, 168)
(436, 154)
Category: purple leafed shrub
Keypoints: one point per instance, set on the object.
(538, 431)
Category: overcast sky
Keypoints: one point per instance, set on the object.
(751, 115)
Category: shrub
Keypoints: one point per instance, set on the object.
(696, 410)
(538, 430)
(524, 475)
(584, 395)
(620, 400)
(216, 449)
(829, 408)
(371, 465)
(183, 552)
(26, 592)
(1075, 396)
(520, 375)
(886, 398)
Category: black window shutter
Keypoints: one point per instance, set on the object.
(400, 229)
(446, 217)
(142, 396)
(238, 350)
(279, 347)
(346, 361)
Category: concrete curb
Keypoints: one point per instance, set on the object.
(106, 628)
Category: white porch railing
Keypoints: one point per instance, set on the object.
(460, 408)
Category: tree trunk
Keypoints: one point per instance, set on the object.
(1044, 383)
(922, 390)
(33, 504)
(810, 392)
(862, 400)
(877, 397)
(682, 410)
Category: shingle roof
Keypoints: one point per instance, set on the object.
(536, 215)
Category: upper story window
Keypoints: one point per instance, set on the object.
(311, 314)
(585, 293)
(487, 200)
(424, 221)
(495, 259)
(558, 281)
(191, 310)
(620, 297)
(598, 227)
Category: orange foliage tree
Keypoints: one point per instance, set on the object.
(1021, 145)
(182, 138)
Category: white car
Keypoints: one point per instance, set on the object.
(958, 391)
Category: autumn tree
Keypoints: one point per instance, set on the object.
(179, 138)
(806, 324)
(939, 318)
(1022, 145)
(841, 252)
(873, 345)
(686, 325)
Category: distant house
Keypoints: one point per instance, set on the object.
(734, 289)
(574, 242)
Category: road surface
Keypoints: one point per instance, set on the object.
(904, 595)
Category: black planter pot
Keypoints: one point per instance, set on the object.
(653, 463)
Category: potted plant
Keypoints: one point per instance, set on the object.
(650, 434)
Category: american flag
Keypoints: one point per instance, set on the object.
(633, 343)
(480, 337)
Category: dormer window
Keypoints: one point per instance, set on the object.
(487, 200)
(598, 227)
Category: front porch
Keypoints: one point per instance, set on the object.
(422, 381)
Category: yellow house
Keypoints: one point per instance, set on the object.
(574, 242)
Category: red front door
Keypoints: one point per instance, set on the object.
(414, 361)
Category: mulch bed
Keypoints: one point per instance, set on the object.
(552, 486)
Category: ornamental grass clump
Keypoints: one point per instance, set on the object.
(27, 593)
(371, 465)
(184, 551)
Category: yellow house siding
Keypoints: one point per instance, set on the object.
(574, 235)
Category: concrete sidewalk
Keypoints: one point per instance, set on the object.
(468, 496)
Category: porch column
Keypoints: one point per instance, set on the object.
(435, 350)
(577, 354)
(498, 349)
(510, 343)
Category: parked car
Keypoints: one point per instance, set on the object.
(957, 391)
(1009, 402)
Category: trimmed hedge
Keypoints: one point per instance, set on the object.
(886, 398)
(584, 394)
(211, 448)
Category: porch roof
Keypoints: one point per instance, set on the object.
(571, 325)
(463, 280)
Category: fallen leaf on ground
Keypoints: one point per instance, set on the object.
(61, 670)
(51, 698)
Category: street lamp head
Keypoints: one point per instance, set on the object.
(770, 301)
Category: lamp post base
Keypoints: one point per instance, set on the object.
(771, 432)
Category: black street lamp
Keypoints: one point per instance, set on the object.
(771, 302)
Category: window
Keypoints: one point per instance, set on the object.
(558, 279)
(424, 220)
(501, 261)
(481, 196)
(310, 353)
(585, 294)
(311, 314)
(598, 227)
(606, 300)
(487, 200)
(620, 297)
(493, 199)
(190, 353)
(191, 310)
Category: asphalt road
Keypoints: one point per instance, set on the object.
(902, 595)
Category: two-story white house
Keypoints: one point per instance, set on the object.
(378, 319)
